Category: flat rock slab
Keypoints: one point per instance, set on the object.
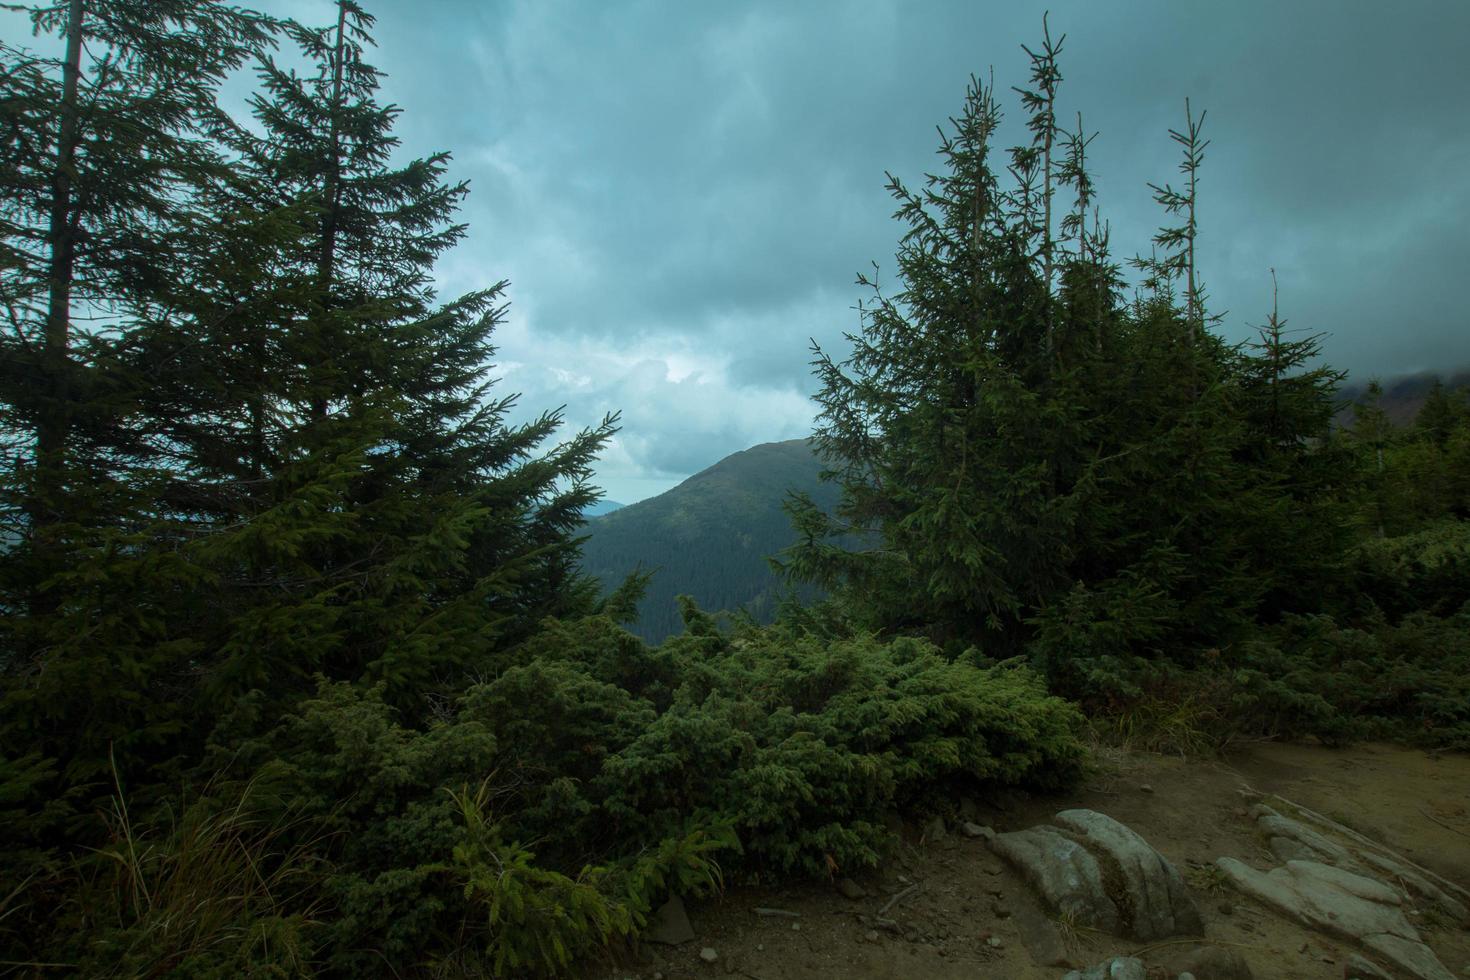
(1332, 843)
(1341, 903)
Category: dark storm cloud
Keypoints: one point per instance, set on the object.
(681, 193)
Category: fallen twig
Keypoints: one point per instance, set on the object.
(1453, 830)
(900, 896)
(1190, 942)
(778, 913)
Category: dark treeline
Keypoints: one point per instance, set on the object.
(298, 674)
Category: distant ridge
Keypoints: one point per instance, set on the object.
(709, 536)
(1403, 395)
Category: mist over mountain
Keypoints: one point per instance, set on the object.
(1402, 396)
(709, 537)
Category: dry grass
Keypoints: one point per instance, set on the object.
(213, 881)
(1187, 726)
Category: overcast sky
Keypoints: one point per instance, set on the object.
(682, 192)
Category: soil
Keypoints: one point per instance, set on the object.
(958, 905)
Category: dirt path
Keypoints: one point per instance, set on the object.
(961, 917)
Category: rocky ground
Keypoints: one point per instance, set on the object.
(1294, 861)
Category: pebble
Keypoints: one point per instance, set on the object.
(993, 942)
(796, 927)
(1001, 912)
(871, 936)
(851, 889)
(1145, 788)
(708, 954)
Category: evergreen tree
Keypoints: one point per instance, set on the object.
(105, 156)
(1044, 468)
(363, 463)
(316, 475)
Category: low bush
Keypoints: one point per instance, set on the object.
(542, 814)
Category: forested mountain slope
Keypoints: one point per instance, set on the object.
(1402, 395)
(709, 536)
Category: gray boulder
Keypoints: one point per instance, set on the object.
(669, 924)
(1064, 872)
(1155, 896)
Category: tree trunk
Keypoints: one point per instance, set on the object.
(54, 417)
(332, 191)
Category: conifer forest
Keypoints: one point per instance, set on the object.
(300, 673)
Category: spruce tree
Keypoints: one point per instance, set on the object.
(1036, 466)
(308, 469)
(408, 528)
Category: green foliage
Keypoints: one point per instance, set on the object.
(1408, 681)
(800, 744)
(1427, 569)
(1037, 466)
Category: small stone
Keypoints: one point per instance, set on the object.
(972, 829)
(851, 889)
(1327, 959)
(1186, 976)
(670, 924)
(708, 954)
(760, 947)
(1145, 788)
(796, 927)
(871, 936)
(934, 829)
(1303, 947)
(993, 942)
(991, 868)
(1001, 912)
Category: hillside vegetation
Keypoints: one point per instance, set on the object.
(299, 674)
(709, 537)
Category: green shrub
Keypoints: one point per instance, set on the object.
(1409, 681)
(546, 811)
(1428, 569)
(801, 744)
